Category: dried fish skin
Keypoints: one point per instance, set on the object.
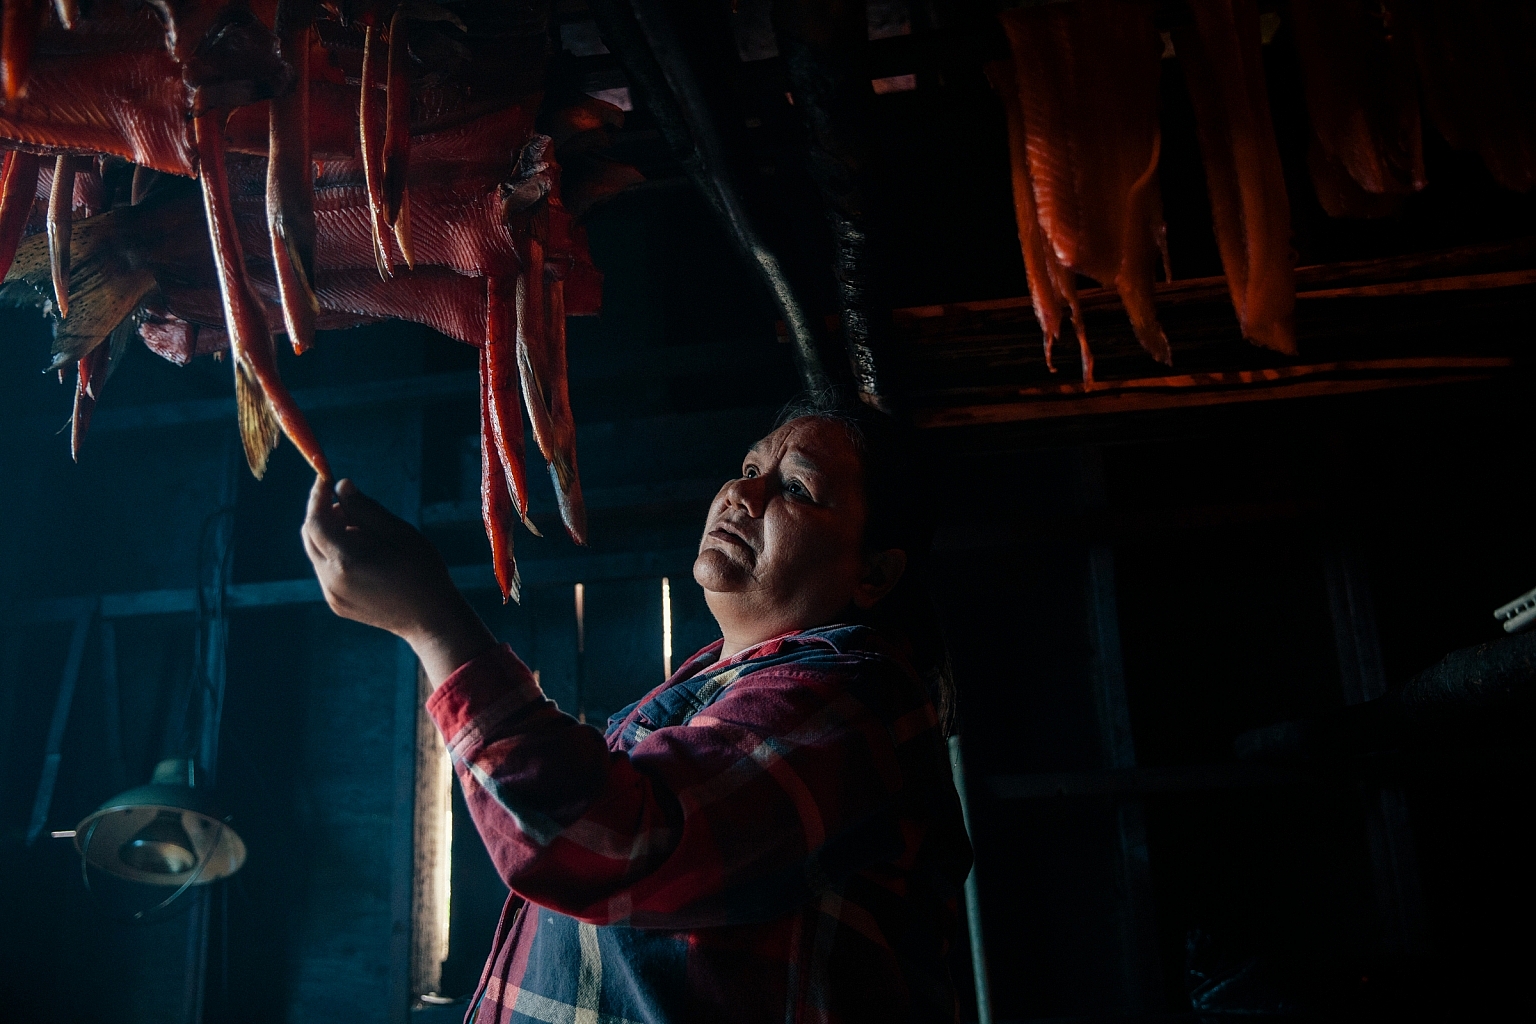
(125, 103)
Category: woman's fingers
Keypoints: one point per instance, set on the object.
(373, 566)
(364, 514)
(324, 529)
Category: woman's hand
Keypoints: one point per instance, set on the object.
(377, 569)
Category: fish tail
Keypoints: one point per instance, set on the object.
(91, 374)
(104, 284)
(249, 340)
(496, 507)
(397, 123)
(20, 23)
(61, 198)
(290, 186)
(259, 428)
(18, 190)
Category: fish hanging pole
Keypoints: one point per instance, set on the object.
(824, 50)
(53, 752)
(972, 895)
(641, 36)
(581, 652)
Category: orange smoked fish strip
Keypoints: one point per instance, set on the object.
(495, 499)
(1249, 207)
(291, 195)
(18, 191)
(1037, 257)
(567, 477)
(1087, 81)
(91, 376)
(61, 200)
(250, 342)
(504, 390)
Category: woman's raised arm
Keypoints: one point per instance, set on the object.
(377, 569)
(798, 776)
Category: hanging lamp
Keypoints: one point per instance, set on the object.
(168, 833)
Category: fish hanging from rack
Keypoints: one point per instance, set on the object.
(1080, 96)
(209, 174)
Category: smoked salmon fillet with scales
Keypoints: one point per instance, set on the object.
(403, 181)
(1224, 69)
(1085, 77)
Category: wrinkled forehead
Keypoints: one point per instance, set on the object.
(821, 445)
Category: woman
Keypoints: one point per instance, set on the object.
(770, 835)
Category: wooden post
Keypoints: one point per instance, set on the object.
(1140, 974)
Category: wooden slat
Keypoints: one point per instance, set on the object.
(1205, 389)
(1427, 271)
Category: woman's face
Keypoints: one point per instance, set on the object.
(782, 544)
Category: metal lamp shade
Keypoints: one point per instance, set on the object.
(165, 833)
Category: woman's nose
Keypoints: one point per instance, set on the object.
(747, 493)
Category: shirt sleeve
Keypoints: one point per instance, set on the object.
(790, 781)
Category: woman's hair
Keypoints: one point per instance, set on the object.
(898, 514)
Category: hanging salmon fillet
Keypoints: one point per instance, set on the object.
(1041, 268)
(1086, 78)
(328, 136)
(1362, 98)
(1252, 215)
(1477, 63)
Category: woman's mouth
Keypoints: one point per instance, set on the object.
(728, 535)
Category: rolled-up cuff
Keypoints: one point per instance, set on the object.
(480, 696)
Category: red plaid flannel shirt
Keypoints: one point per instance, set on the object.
(775, 837)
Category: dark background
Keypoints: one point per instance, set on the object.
(1131, 591)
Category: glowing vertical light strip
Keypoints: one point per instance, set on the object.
(581, 653)
(666, 628)
(444, 865)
